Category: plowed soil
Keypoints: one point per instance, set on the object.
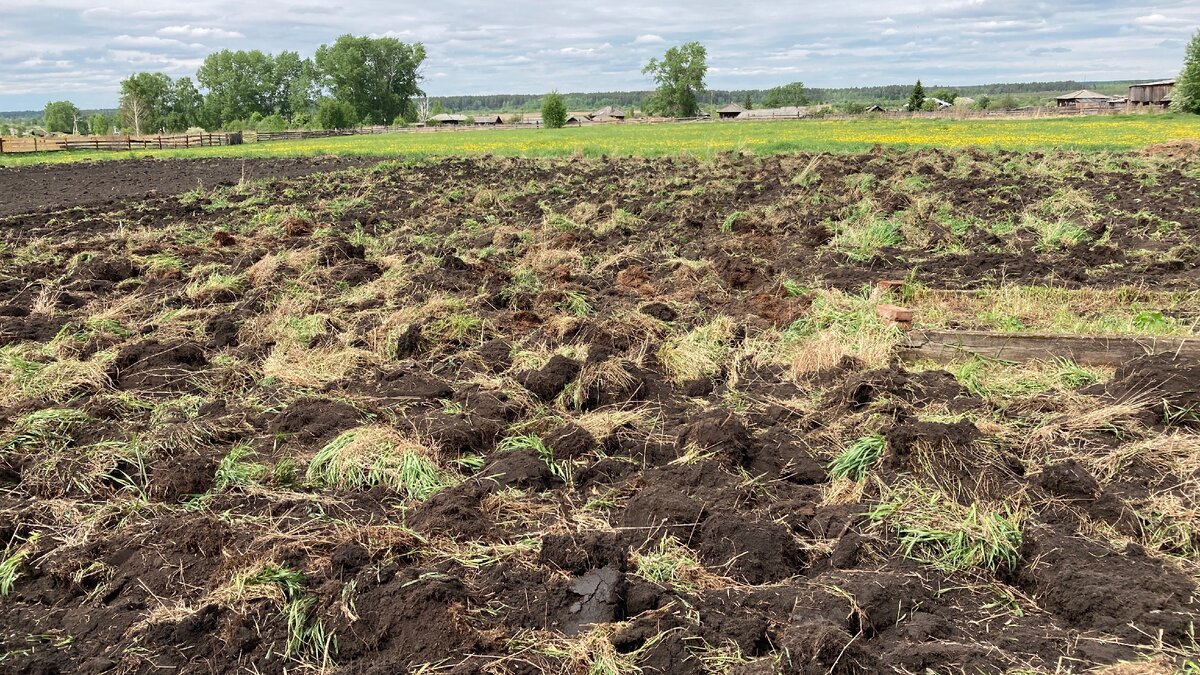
(559, 416)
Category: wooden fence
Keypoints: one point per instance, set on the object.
(118, 143)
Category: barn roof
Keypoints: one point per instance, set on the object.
(768, 113)
(1156, 84)
(731, 108)
(1083, 94)
(608, 111)
(446, 117)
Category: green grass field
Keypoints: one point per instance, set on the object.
(1082, 133)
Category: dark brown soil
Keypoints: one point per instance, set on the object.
(510, 318)
(59, 186)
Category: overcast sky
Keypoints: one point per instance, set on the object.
(80, 50)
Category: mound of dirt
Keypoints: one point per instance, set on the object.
(1168, 386)
(154, 367)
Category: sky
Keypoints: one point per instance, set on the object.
(80, 50)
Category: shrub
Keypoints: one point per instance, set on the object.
(554, 111)
(333, 114)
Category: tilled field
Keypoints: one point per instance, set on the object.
(594, 416)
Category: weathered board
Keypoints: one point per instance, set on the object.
(948, 345)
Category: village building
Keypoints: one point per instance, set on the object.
(1084, 98)
(774, 113)
(447, 118)
(1151, 94)
(730, 112)
(608, 114)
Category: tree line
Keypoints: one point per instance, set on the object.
(355, 80)
(364, 80)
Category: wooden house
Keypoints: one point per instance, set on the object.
(730, 112)
(1151, 94)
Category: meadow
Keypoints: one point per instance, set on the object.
(1111, 133)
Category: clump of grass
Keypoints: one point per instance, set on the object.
(933, 528)
(866, 232)
(302, 330)
(732, 219)
(702, 352)
(308, 640)
(457, 327)
(235, 471)
(216, 287)
(311, 367)
(532, 442)
(840, 325)
(856, 460)
(10, 564)
(1054, 235)
(1072, 375)
(366, 457)
(592, 652)
(46, 431)
(669, 563)
(576, 303)
(56, 381)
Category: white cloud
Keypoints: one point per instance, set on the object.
(477, 47)
(151, 42)
(200, 32)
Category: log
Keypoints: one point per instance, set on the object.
(1092, 350)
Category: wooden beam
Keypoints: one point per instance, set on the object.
(1093, 350)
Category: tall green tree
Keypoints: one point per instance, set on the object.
(144, 101)
(554, 111)
(99, 124)
(1186, 94)
(680, 77)
(59, 117)
(377, 76)
(238, 84)
(182, 107)
(787, 95)
(917, 98)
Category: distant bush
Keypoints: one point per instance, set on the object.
(1005, 102)
(333, 114)
(554, 111)
(274, 122)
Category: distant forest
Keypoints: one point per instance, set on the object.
(888, 94)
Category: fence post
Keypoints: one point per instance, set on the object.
(1, 146)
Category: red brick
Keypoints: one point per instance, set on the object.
(894, 313)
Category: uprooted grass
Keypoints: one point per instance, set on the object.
(371, 456)
(840, 325)
(700, 352)
(935, 529)
(857, 459)
(671, 564)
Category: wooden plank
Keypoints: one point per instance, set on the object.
(1093, 350)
